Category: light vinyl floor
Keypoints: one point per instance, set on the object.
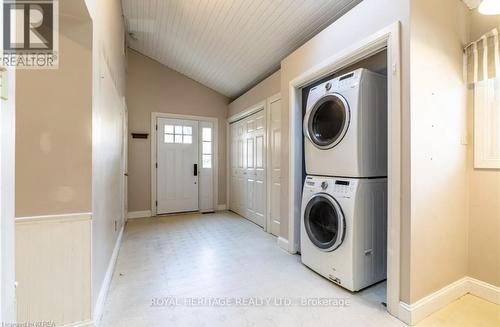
(222, 270)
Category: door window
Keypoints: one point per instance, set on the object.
(328, 121)
(178, 134)
(206, 152)
(324, 222)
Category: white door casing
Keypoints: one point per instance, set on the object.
(177, 165)
(214, 122)
(125, 160)
(390, 38)
(274, 163)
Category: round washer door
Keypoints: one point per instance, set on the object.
(327, 122)
(324, 222)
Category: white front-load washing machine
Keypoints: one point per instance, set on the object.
(343, 234)
(345, 126)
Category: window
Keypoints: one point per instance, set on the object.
(178, 134)
(487, 124)
(482, 71)
(206, 147)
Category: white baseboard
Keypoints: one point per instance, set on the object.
(139, 214)
(101, 300)
(283, 243)
(414, 313)
(85, 323)
(221, 207)
(484, 290)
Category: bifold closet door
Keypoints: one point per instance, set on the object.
(238, 181)
(248, 170)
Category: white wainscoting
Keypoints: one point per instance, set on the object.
(53, 269)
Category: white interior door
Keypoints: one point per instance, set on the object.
(275, 164)
(248, 168)
(177, 166)
(238, 178)
(258, 173)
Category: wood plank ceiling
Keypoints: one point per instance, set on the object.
(227, 45)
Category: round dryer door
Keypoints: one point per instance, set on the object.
(327, 122)
(324, 222)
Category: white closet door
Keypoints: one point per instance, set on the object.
(275, 162)
(259, 189)
(234, 197)
(240, 177)
(248, 168)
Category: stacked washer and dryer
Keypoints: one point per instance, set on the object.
(344, 204)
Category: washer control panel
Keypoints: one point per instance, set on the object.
(340, 187)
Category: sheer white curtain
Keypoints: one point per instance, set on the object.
(483, 71)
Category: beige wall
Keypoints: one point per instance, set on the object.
(109, 63)
(54, 128)
(153, 87)
(343, 33)
(439, 211)
(484, 190)
(268, 87)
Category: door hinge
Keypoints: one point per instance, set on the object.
(157, 203)
(156, 165)
(156, 127)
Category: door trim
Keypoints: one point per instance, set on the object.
(388, 38)
(214, 121)
(248, 112)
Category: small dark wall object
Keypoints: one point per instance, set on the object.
(140, 135)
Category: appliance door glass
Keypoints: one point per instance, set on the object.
(328, 121)
(324, 222)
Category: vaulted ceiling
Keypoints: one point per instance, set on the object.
(227, 45)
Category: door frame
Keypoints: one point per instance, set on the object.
(154, 135)
(387, 38)
(125, 160)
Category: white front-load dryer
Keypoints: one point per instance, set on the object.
(343, 234)
(345, 126)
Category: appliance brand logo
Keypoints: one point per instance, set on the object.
(30, 34)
